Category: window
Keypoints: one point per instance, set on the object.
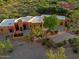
(21, 34)
(17, 27)
(1, 29)
(24, 26)
(20, 28)
(11, 30)
(40, 25)
(17, 35)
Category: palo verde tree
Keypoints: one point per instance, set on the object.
(50, 54)
(37, 31)
(51, 22)
(61, 53)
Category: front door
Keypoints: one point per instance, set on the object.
(20, 28)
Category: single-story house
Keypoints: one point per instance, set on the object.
(20, 26)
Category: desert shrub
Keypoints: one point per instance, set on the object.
(47, 43)
(6, 47)
(74, 43)
(76, 49)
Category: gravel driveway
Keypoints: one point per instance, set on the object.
(62, 36)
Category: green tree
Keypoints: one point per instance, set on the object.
(62, 11)
(51, 22)
(1, 2)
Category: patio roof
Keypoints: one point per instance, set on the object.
(45, 15)
(24, 19)
(58, 16)
(7, 22)
(61, 17)
(36, 19)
